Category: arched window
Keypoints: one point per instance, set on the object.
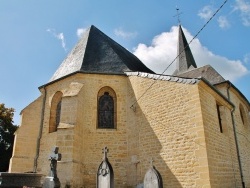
(106, 108)
(55, 112)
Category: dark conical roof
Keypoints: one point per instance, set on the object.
(185, 61)
(186, 66)
(97, 53)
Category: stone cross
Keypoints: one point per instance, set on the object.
(105, 151)
(151, 162)
(54, 157)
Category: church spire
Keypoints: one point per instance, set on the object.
(185, 60)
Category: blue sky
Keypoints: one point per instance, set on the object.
(36, 36)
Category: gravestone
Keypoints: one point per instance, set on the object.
(52, 181)
(152, 178)
(105, 174)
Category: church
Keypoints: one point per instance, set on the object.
(193, 125)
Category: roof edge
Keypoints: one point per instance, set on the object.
(235, 88)
(217, 91)
(180, 80)
(76, 72)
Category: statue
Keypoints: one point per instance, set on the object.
(54, 157)
(52, 181)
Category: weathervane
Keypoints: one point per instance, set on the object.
(178, 15)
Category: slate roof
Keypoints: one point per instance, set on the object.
(185, 60)
(164, 77)
(97, 53)
(207, 72)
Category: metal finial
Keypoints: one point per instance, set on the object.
(178, 15)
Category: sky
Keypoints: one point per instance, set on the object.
(35, 37)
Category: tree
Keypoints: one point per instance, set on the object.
(7, 130)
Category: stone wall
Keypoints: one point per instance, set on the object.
(78, 138)
(221, 148)
(175, 124)
(170, 131)
(25, 145)
(242, 125)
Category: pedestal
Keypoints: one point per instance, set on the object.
(50, 182)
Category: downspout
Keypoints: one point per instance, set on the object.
(235, 138)
(40, 131)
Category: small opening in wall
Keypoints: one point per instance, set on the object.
(242, 114)
(219, 117)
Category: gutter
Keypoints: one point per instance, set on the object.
(236, 140)
(40, 131)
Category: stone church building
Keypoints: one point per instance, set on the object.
(194, 124)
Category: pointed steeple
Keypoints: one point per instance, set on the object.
(97, 53)
(185, 61)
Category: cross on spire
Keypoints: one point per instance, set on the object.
(105, 151)
(178, 15)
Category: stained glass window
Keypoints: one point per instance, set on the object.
(106, 111)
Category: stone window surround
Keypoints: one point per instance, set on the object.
(54, 119)
(112, 93)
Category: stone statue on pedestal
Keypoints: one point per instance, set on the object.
(52, 181)
(54, 157)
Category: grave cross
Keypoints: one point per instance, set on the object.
(151, 162)
(105, 151)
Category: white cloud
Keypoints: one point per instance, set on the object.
(59, 36)
(206, 12)
(124, 34)
(247, 58)
(163, 51)
(223, 22)
(80, 32)
(244, 8)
